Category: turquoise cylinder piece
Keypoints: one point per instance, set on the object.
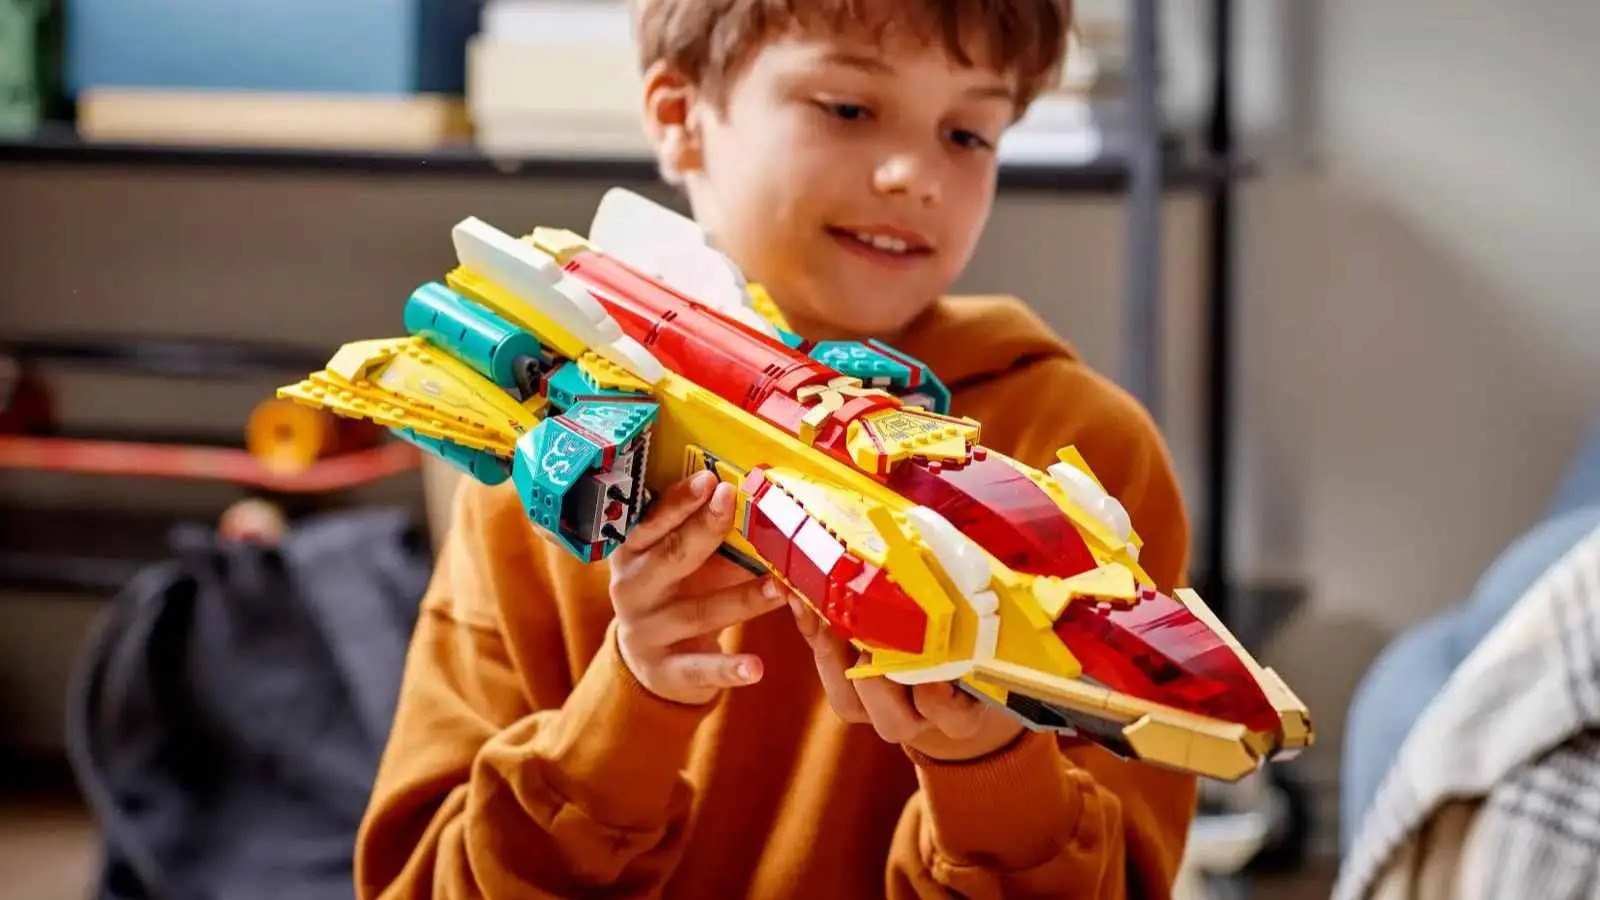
(470, 332)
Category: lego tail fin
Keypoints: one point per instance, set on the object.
(665, 245)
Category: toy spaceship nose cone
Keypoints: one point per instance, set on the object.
(1156, 649)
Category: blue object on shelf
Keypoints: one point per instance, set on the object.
(350, 46)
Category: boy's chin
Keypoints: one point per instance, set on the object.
(871, 316)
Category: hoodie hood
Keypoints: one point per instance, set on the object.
(968, 339)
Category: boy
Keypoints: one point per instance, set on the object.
(659, 725)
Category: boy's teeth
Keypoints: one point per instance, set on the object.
(881, 241)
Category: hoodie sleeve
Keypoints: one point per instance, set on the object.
(1049, 817)
(497, 782)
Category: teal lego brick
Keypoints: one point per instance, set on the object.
(485, 467)
(568, 385)
(471, 332)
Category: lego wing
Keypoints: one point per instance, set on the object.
(425, 395)
(513, 370)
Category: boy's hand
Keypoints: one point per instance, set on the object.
(674, 596)
(938, 720)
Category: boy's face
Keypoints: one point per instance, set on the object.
(852, 179)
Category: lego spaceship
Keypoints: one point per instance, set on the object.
(592, 372)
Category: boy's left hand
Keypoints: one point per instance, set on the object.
(938, 720)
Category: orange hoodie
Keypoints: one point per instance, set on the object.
(525, 761)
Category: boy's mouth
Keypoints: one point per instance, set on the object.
(885, 240)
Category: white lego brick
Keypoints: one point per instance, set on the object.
(960, 558)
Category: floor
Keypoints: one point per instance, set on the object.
(47, 847)
(48, 851)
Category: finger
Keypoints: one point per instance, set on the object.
(709, 671)
(680, 552)
(811, 625)
(716, 573)
(955, 713)
(705, 614)
(832, 656)
(678, 502)
(889, 708)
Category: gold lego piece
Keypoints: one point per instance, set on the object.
(1192, 743)
(1294, 718)
(828, 399)
(1155, 733)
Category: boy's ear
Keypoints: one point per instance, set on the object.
(671, 121)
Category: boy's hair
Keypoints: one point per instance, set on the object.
(708, 40)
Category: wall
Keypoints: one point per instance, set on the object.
(1418, 330)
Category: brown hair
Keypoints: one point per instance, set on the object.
(708, 40)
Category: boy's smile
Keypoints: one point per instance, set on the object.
(851, 178)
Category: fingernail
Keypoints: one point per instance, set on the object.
(770, 590)
(743, 672)
(700, 483)
(721, 500)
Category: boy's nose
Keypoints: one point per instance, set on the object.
(906, 173)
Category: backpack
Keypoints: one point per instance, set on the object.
(226, 718)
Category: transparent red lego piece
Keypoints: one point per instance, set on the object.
(1157, 650)
(997, 506)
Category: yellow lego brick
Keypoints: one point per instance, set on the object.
(515, 310)
(1026, 638)
(763, 304)
(605, 374)
(907, 558)
(843, 513)
(407, 383)
(558, 243)
(1111, 581)
(881, 439)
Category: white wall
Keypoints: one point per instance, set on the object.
(1419, 340)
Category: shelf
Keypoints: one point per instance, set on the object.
(204, 358)
(139, 459)
(43, 549)
(59, 145)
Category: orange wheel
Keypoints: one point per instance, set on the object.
(286, 436)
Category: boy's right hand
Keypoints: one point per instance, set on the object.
(673, 595)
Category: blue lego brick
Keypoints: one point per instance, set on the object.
(352, 46)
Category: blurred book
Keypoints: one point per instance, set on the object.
(271, 119)
(556, 76)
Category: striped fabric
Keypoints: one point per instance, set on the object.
(1517, 726)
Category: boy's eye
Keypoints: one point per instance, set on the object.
(969, 140)
(846, 111)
